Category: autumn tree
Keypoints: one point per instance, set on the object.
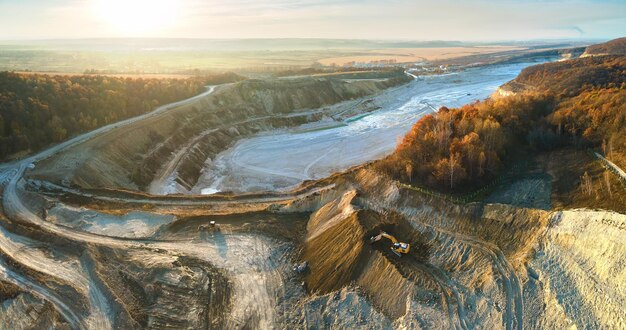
(37, 110)
(465, 147)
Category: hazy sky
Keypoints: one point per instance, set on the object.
(363, 19)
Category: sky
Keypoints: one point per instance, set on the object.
(463, 20)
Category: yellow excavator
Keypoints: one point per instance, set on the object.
(398, 248)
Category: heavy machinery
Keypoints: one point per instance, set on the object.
(398, 248)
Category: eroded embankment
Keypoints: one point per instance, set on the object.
(102, 288)
(181, 139)
(23, 310)
(471, 257)
(471, 266)
(580, 266)
(339, 253)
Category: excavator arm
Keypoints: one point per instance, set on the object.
(391, 238)
(398, 248)
(381, 236)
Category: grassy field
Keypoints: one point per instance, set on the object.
(360, 74)
(118, 75)
(174, 62)
(186, 56)
(408, 55)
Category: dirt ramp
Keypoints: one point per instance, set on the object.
(386, 287)
(334, 246)
(514, 230)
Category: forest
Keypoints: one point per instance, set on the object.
(569, 78)
(595, 117)
(580, 103)
(465, 147)
(615, 47)
(38, 110)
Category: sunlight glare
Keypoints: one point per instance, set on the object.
(136, 16)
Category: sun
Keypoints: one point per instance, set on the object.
(136, 17)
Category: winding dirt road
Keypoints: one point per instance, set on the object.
(26, 252)
(246, 257)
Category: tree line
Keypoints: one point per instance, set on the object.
(39, 110)
(465, 147)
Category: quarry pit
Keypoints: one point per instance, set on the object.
(194, 217)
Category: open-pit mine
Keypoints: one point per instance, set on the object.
(254, 204)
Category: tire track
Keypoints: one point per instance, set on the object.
(245, 257)
(25, 252)
(32, 287)
(510, 282)
(449, 291)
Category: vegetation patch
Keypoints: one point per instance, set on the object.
(37, 110)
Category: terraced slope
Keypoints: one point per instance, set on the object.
(175, 144)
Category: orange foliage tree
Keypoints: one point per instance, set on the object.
(454, 149)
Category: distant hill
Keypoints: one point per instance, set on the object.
(613, 47)
(569, 77)
(599, 66)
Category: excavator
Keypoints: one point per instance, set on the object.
(398, 248)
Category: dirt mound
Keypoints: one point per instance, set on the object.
(330, 215)
(385, 285)
(582, 264)
(339, 254)
(334, 245)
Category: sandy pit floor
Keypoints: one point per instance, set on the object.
(282, 159)
(135, 224)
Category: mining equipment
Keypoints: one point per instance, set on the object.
(398, 248)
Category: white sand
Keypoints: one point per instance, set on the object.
(284, 159)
